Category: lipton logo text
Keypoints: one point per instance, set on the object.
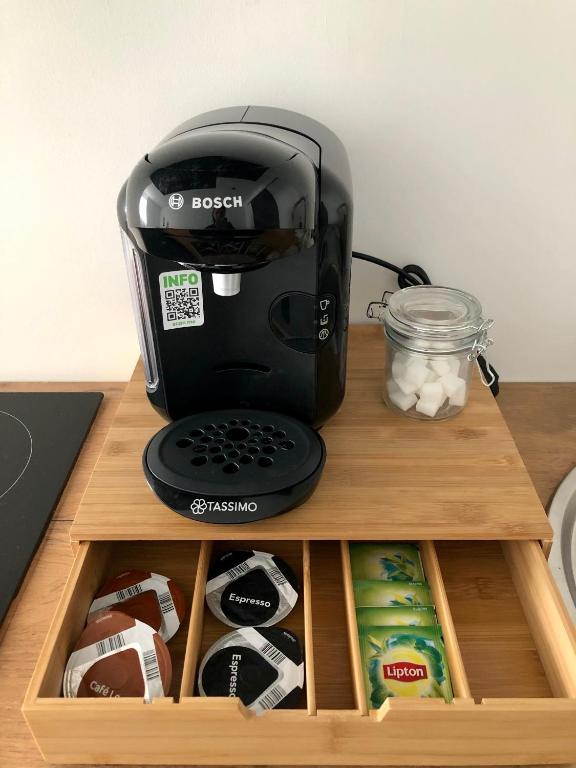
(405, 672)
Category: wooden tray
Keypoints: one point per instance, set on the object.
(458, 487)
(393, 477)
(499, 609)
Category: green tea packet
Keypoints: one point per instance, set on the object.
(397, 616)
(386, 560)
(404, 661)
(370, 593)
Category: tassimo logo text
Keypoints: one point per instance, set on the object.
(217, 202)
(200, 506)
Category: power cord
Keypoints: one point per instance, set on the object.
(411, 275)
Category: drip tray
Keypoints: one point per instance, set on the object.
(234, 465)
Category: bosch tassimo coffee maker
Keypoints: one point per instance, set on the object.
(237, 236)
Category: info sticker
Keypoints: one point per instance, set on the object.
(181, 296)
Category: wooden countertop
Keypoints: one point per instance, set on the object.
(398, 478)
(541, 417)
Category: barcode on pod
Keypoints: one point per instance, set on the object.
(238, 570)
(113, 643)
(272, 697)
(166, 602)
(277, 576)
(272, 653)
(151, 665)
(124, 594)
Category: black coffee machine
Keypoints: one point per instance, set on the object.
(237, 237)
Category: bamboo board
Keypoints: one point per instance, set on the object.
(397, 478)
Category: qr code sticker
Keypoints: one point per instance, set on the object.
(181, 294)
(182, 303)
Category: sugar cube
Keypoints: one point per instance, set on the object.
(458, 397)
(451, 383)
(454, 364)
(404, 402)
(407, 387)
(432, 391)
(398, 368)
(431, 376)
(428, 407)
(441, 367)
(402, 357)
(416, 372)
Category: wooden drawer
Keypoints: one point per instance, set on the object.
(509, 641)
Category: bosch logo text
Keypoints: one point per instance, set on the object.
(217, 202)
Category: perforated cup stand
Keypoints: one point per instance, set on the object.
(235, 465)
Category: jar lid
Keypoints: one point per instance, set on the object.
(434, 313)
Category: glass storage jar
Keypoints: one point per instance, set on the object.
(434, 336)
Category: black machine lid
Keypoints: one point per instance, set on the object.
(235, 453)
(221, 199)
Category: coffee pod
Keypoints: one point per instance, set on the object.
(118, 655)
(149, 597)
(247, 588)
(261, 666)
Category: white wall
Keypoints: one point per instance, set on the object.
(459, 117)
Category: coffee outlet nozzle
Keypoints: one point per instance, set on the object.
(226, 284)
(236, 231)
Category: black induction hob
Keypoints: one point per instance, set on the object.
(41, 434)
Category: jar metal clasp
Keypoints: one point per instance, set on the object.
(376, 309)
(479, 347)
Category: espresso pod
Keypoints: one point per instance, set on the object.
(117, 655)
(149, 597)
(247, 588)
(262, 666)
